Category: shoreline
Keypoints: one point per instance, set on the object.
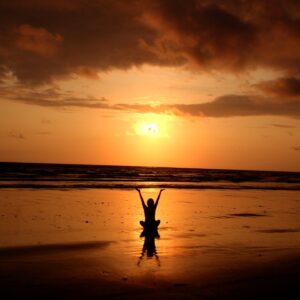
(133, 185)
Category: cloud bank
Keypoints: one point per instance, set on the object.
(220, 107)
(45, 40)
(225, 106)
(282, 87)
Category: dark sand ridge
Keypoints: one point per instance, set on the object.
(74, 271)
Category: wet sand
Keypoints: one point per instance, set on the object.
(80, 244)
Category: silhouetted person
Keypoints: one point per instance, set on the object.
(150, 224)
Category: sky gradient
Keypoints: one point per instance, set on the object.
(212, 84)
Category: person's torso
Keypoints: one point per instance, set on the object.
(149, 213)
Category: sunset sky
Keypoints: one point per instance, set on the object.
(186, 83)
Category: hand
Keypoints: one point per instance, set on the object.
(162, 190)
(138, 190)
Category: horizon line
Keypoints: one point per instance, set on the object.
(136, 166)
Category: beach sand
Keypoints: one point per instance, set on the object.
(214, 244)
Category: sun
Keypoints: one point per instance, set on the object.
(150, 129)
(147, 129)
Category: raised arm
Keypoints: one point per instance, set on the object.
(158, 197)
(141, 197)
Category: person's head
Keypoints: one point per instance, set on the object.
(150, 202)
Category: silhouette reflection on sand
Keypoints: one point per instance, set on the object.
(149, 247)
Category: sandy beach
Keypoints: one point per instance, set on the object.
(77, 244)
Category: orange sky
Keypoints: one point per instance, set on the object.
(155, 83)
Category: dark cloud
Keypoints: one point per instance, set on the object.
(279, 230)
(37, 40)
(42, 40)
(226, 106)
(283, 126)
(45, 40)
(16, 135)
(50, 97)
(231, 34)
(281, 87)
(44, 133)
(210, 35)
(221, 107)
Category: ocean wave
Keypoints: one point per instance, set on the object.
(60, 176)
(133, 185)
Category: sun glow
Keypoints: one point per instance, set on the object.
(151, 127)
(147, 129)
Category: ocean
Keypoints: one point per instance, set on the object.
(63, 176)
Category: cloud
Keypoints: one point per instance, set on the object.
(37, 40)
(50, 97)
(221, 107)
(46, 40)
(231, 35)
(226, 106)
(16, 135)
(44, 133)
(296, 148)
(283, 126)
(281, 87)
(206, 33)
